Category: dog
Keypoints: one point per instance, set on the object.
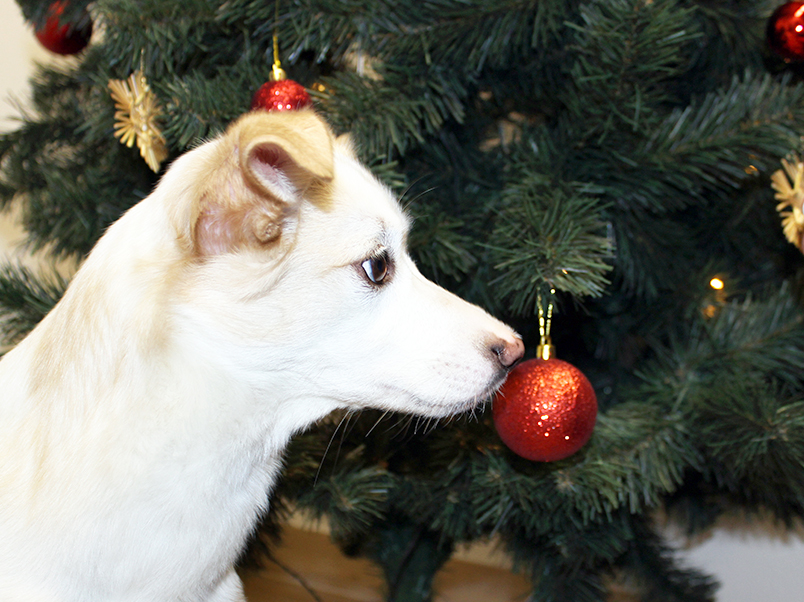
(263, 284)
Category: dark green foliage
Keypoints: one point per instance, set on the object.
(650, 562)
(409, 555)
(25, 298)
(558, 240)
(616, 151)
(754, 436)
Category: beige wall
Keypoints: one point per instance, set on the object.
(754, 564)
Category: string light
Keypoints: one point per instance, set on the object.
(718, 299)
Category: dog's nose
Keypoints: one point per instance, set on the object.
(509, 351)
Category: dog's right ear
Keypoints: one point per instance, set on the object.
(268, 161)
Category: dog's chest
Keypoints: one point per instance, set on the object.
(207, 514)
(164, 534)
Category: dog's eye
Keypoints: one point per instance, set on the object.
(376, 267)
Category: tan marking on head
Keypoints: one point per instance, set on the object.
(262, 168)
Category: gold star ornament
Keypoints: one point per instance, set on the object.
(136, 118)
(787, 183)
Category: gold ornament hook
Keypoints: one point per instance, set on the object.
(546, 349)
(277, 73)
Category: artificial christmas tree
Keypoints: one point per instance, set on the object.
(619, 152)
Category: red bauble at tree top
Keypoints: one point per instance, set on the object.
(64, 37)
(785, 31)
(281, 95)
(546, 410)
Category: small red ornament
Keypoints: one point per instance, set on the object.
(281, 95)
(61, 37)
(785, 31)
(546, 410)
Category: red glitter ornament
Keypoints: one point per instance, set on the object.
(62, 37)
(281, 95)
(546, 410)
(785, 31)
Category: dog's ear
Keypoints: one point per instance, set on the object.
(278, 158)
(283, 157)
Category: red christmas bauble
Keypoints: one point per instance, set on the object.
(546, 410)
(282, 95)
(785, 31)
(62, 37)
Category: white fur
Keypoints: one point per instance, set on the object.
(142, 422)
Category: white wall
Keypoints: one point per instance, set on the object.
(753, 564)
(753, 560)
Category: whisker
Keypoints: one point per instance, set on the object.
(418, 424)
(403, 422)
(409, 201)
(344, 434)
(384, 414)
(405, 201)
(346, 417)
(349, 424)
(474, 410)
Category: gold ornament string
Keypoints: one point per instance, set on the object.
(277, 73)
(546, 349)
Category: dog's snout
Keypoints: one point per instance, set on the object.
(509, 351)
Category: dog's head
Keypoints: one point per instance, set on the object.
(299, 278)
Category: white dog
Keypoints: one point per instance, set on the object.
(262, 285)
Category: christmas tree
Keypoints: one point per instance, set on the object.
(608, 159)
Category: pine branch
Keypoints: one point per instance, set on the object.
(412, 109)
(470, 34)
(638, 454)
(753, 434)
(753, 338)
(651, 562)
(555, 575)
(732, 33)
(64, 151)
(200, 106)
(713, 141)
(352, 500)
(180, 36)
(625, 52)
(545, 235)
(25, 298)
(440, 246)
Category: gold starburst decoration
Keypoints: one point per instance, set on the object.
(136, 118)
(787, 183)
